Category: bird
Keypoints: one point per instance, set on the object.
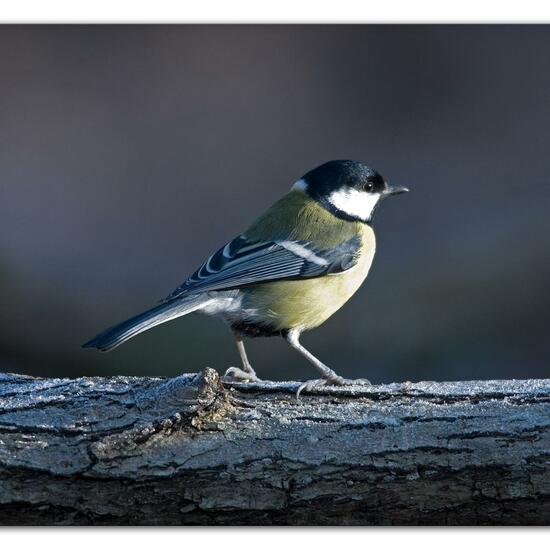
(292, 269)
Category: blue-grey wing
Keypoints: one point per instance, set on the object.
(243, 262)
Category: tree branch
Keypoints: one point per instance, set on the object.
(191, 451)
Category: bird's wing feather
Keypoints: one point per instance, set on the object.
(242, 262)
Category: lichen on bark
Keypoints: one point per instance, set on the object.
(191, 450)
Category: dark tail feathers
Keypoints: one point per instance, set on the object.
(116, 335)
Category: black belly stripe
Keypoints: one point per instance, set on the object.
(256, 330)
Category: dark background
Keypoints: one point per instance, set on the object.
(129, 153)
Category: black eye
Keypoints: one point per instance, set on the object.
(369, 186)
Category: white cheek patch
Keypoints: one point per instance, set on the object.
(357, 204)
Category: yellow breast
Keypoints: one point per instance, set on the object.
(305, 304)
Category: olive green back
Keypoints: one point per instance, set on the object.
(296, 216)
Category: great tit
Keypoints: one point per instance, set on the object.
(296, 265)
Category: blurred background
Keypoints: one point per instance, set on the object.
(130, 153)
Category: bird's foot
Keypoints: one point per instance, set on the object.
(234, 374)
(312, 385)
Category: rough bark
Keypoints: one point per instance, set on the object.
(190, 450)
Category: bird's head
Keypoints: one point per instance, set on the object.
(349, 189)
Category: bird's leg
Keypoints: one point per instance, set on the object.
(247, 367)
(246, 374)
(328, 376)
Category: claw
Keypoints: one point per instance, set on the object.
(234, 374)
(337, 381)
(310, 385)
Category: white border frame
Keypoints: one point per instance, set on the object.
(280, 11)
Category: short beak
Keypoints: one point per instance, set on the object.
(394, 190)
